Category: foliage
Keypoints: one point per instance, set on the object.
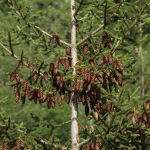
(107, 34)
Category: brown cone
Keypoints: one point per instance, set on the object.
(56, 65)
(109, 106)
(32, 93)
(101, 62)
(58, 79)
(120, 66)
(23, 97)
(100, 78)
(120, 79)
(92, 145)
(40, 95)
(30, 65)
(15, 88)
(18, 144)
(68, 83)
(115, 64)
(51, 68)
(68, 98)
(81, 57)
(97, 146)
(144, 116)
(67, 63)
(85, 48)
(79, 96)
(62, 61)
(45, 77)
(17, 95)
(59, 100)
(68, 51)
(87, 147)
(17, 78)
(24, 85)
(49, 102)
(110, 58)
(136, 52)
(12, 76)
(20, 64)
(35, 76)
(83, 99)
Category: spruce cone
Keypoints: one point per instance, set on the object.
(100, 78)
(59, 100)
(93, 76)
(68, 98)
(81, 84)
(129, 114)
(78, 85)
(92, 145)
(83, 99)
(120, 66)
(45, 98)
(81, 58)
(40, 95)
(89, 86)
(53, 104)
(68, 83)
(115, 64)
(144, 116)
(48, 102)
(56, 65)
(86, 74)
(120, 79)
(23, 97)
(17, 95)
(101, 62)
(35, 99)
(77, 27)
(35, 76)
(13, 76)
(83, 72)
(88, 147)
(20, 64)
(51, 67)
(24, 85)
(85, 48)
(97, 146)
(148, 104)
(45, 77)
(110, 58)
(58, 79)
(140, 121)
(104, 37)
(89, 76)
(32, 94)
(96, 46)
(86, 110)
(62, 61)
(68, 51)
(67, 63)
(17, 78)
(27, 90)
(109, 42)
(91, 61)
(15, 88)
(30, 65)
(136, 118)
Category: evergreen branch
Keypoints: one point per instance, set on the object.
(78, 8)
(63, 123)
(63, 42)
(99, 27)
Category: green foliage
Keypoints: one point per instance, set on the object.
(35, 31)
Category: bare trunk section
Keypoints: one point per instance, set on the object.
(74, 102)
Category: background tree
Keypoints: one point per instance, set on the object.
(47, 69)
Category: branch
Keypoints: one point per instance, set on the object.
(99, 27)
(63, 123)
(78, 8)
(36, 27)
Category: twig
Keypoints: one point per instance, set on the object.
(78, 8)
(99, 27)
(63, 123)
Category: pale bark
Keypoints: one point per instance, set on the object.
(74, 102)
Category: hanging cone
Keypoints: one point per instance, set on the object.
(100, 78)
(59, 100)
(53, 104)
(102, 61)
(58, 79)
(144, 117)
(89, 86)
(96, 46)
(136, 52)
(81, 84)
(109, 106)
(12, 76)
(48, 102)
(92, 146)
(56, 65)
(120, 66)
(93, 76)
(97, 146)
(30, 65)
(86, 110)
(24, 85)
(15, 88)
(110, 58)
(40, 95)
(91, 61)
(68, 98)
(20, 64)
(45, 98)
(109, 42)
(129, 114)
(87, 147)
(35, 76)
(27, 90)
(81, 58)
(120, 79)
(89, 76)
(51, 67)
(68, 83)
(68, 51)
(98, 93)
(78, 85)
(35, 99)
(115, 64)
(17, 78)
(32, 93)
(104, 37)
(83, 99)
(45, 75)
(17, 95)
(67, 63)
(85, 48)
(18, 144)
(23, 97)
(62, 61)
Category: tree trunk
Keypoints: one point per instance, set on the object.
(74, 102)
